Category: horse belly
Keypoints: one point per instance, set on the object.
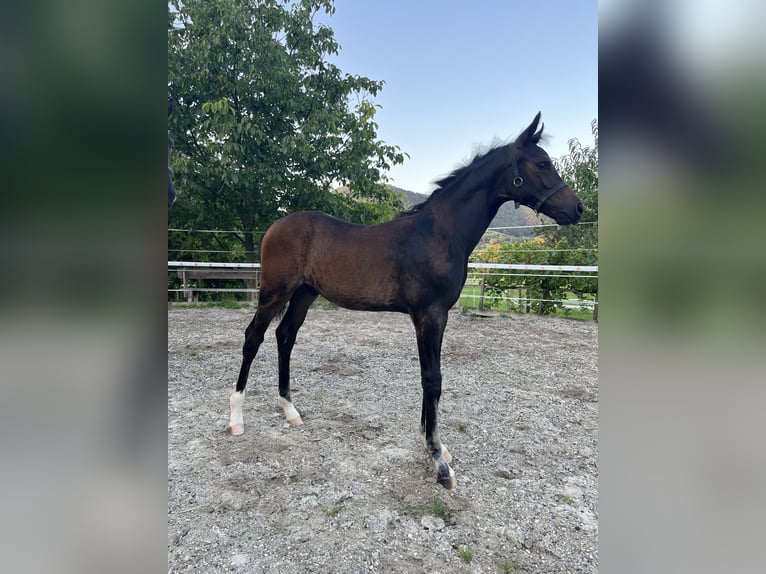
(363, 284)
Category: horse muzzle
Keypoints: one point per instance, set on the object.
(563, 206)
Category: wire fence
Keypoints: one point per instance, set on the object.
(188, 279)
(261, 232)
(516, 294)
(199, 280)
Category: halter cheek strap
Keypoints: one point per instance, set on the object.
(518, 181)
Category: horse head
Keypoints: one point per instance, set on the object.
(531, 179)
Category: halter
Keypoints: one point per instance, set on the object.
(518, 181)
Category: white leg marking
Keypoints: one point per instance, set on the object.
(291, 413)
(236, 422)
(445, 453)
(453, 481)
(436, 466)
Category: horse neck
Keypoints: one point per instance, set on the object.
(467, 215)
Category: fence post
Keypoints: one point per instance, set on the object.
(252, 296)
(188, 294)
(481, 292)
(257, 285)
(595, 309)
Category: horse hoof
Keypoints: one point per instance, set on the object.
(296, 422)
(448, 482)
(446, 454)
(235, 430)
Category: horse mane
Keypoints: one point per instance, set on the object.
(458, 177)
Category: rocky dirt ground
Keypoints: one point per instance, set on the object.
(353, 489)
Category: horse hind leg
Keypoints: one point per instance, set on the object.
(287, 332)
(268, 308)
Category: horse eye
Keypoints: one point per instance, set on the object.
(543, 164)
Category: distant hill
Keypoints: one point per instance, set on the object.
(409, 198)
(507, 216)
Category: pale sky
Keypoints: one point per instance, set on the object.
(463, 74)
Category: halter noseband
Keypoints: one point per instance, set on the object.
(518, 181)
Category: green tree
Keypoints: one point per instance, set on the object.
(580, 170)
(541, 288)
(264, 124)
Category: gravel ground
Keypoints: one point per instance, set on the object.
(353, 489)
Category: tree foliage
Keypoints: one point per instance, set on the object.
(542, 287)
(265, 125)
(580, 170)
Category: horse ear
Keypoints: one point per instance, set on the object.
(529, 135)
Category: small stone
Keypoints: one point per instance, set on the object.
(231, 501)
(432, 523)
(309, 501)
(508, 474)
(528, 543)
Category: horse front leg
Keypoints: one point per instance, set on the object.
(445, 451)
(429, 328)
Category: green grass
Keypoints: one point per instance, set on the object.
(575, 314)
(439, 509)
(322, 303)
(466, 553)
(470, 297)
(436, 507)
(335, 510)
(566, 499)
(461, 427)
(509, 565)
(469, 301)
(230, 303)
